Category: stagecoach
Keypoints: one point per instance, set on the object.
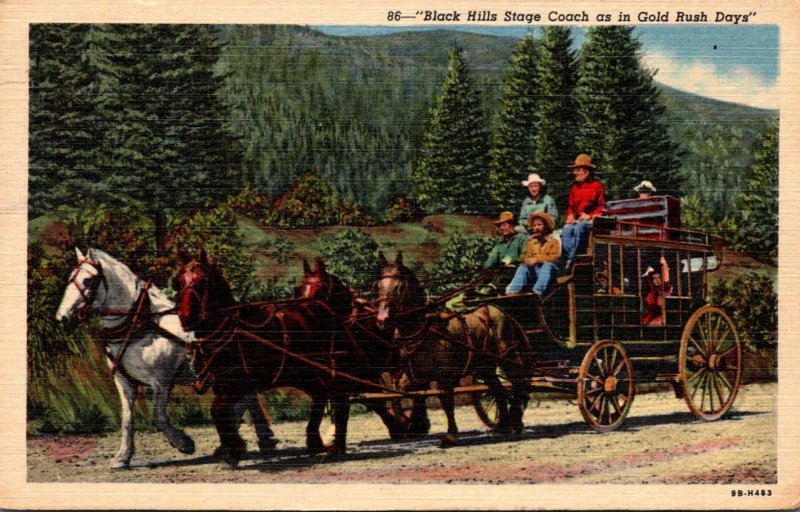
(592, 338)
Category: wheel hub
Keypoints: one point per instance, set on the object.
(610, 384)
(713, 361)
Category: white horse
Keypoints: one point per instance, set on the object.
(145, 344)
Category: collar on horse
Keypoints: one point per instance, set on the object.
(137, 318)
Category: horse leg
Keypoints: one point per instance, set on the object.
(519, 401)
(127, 395)
(341, 415)
(419, 422)
(259, 417)
(176, 437)
(232, 447)
(449, 406)
(379, 407)
(313, 439)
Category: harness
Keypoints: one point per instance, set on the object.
(137, 317)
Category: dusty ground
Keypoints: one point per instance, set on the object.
(659, 443)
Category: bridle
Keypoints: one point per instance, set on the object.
(312, 284)
(89, 293)
(190, 276)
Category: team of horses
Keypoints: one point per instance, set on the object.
(327, 341)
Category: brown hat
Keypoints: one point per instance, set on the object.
(583, 160)
(548, 220)
(505, 217)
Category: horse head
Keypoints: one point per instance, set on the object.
(398, 290)
(82, 289)
(201, 289)
(318, 284)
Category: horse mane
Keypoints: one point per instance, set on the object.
(159, 301)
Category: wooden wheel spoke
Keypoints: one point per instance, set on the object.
(698, 347)
(710, 389)
(725, 354)
(702, 373)
(593, 391)
(715, 335)
(723, 339)
(725, 381)
(695, 375)
(611, 362)
(616, 404)
(600, 400)
(720, 392)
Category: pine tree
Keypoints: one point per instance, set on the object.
(68, 117)
(757, 206)
(558, 114)
(172, 151)
(452, 172)
(513, 147)
(621, 124)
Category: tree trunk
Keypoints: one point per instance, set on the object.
(162, 257)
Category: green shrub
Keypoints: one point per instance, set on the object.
(351, 255)
(217, 232)
(461, 257)
(311, 202)
(753, 305)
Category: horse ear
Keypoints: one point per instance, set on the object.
(79, 254)
(383, 260)
(204, 257)
(306, 268)
(319, 265)
(398, 261)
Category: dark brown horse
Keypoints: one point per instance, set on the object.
(360, 318)
(443, 346)
(252, 347)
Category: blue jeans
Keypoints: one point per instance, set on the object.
(574, 238)
(542, 276)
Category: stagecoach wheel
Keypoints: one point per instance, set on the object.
(710, 363)
(485, 404)
(605, 386)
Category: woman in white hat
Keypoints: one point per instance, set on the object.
(538, 200)
(644, 189)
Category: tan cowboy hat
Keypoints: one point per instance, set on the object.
(533, 178)
(505, 217)
(644, 185)
(583, 160)
(548, 220)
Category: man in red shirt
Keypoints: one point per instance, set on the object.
(586, 201)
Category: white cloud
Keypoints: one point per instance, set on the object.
(737, 84)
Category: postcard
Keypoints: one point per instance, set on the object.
(398, 255)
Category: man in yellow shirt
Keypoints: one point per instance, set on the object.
(542, 250)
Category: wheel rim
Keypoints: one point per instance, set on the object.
(710, 363)
(486, 408)
(605, 386)
(485, 403)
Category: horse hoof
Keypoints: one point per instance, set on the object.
(267, 445)
(188, 447)
(448, 441)
(120, 464)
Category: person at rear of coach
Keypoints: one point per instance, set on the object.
(586, 201)
(538, 270)
(538, 200)
(645, 189)
(660, 287)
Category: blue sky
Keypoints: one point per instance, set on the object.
(738, 63)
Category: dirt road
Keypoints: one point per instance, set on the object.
(660, 442)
